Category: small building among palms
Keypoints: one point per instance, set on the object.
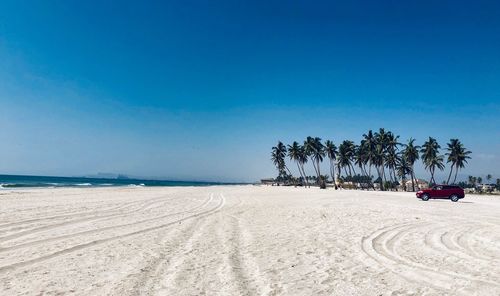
(268, 181)
(487, 187)
(419, 184)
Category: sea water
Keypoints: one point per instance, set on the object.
(18, 181)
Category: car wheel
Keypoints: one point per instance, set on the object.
(454, 198)
(425, 197)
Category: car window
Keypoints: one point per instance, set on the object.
(438, 187)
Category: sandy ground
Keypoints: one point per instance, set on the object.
(245, 240)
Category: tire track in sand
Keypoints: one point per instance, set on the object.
(91, 231)
(382, 246)
(443, 241)
(238, 272)
(80, 214)
(243, 264)
(149, 281)
(394, 243)
(162, 274)
(82, 220)
(491, 256)
(183, 266)
(101, 241)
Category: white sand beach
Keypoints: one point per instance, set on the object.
(245, 240)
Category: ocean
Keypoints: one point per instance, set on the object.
(17, 181)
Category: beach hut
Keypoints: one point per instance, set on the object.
(268, 181)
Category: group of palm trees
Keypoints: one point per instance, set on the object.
(474, 181)
(380, 151)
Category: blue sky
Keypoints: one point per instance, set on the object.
(202, 89)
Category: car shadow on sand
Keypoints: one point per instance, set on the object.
(447, 200)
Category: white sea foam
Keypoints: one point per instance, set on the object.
(5, 185)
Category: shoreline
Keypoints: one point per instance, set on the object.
(32, 181)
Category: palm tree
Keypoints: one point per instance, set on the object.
(433, 163)
(457, 155)
(364, 157)
(308, 149)
(278, 155)
(431, 157)
(278, 160)
(392, 155)
(369, 143)
(294, 152)
(303, 158)
(361, 158)
(331, 152)
(346, 155)
(488, 177)
(315, 149)
(403, 169)
(382, 139)
(472, 180)
(378, 162)
(410, 152)
(391, 161)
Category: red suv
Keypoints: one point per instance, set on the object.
(442, 191)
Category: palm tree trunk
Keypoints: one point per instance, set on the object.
(300, 172)
(331, 169)
(379, 178)
(319, 173)
(382, 167)
(455, 179)
(392, 174)
(307, 180)
(339, 171)
(332, 166)
(353, 170)
(432, 175)
(370, 174)
(412, 180)
(362, 174)
(368, 178)
(383, 173)
(304, 172)
(315, 169)
(320, 181)
(449, 176)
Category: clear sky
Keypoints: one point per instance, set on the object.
(201, 90)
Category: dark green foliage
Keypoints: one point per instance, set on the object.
(379, 150)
